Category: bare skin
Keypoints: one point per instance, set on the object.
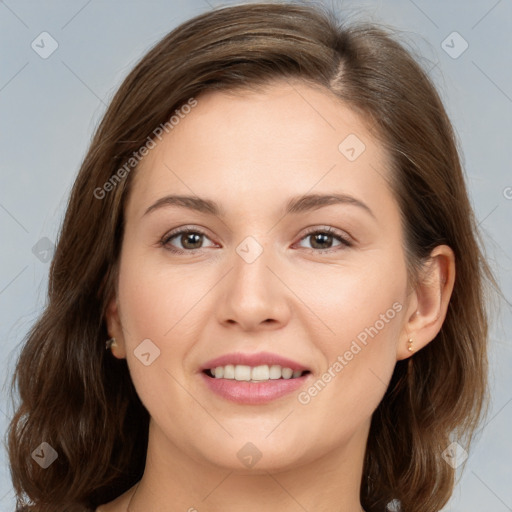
(251, 153)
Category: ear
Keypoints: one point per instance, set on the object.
(429, 301)
(115, 329)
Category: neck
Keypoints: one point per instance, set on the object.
(176, 480)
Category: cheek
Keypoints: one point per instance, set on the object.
(346, 392)
(161, 303)
(157, 299)
(351, 298)
(362, 308)
(153, 317)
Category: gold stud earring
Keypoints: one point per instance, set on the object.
(410, 342)
(110, 343)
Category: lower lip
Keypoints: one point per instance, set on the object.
(253, 393)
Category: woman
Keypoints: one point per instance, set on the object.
(272, 230)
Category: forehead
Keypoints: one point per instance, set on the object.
(245, 146)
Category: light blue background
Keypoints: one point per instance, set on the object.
(50, 107)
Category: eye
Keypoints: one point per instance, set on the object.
(322, 240)
(190, 239)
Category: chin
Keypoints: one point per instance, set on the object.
(257, 455)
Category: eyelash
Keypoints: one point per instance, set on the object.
(164, 242)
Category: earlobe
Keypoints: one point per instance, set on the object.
(432, 296)
(115, 331)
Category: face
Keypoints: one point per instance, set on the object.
(321, 284)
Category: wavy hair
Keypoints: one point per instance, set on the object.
(80, 400)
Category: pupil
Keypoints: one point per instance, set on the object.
(193, 238)
(321, 238)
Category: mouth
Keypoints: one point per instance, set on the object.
(254, 374)
(253, 384)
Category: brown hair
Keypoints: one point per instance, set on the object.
(80, 400)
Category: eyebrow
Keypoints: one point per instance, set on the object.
(295, 205)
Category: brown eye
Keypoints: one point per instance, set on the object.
(323, 240)
(189, 239)
(320, 240)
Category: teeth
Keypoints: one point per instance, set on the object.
(287, 373)
(242, 372)
(254, 374)
(229, 371)
(260, 372)
(275, 371)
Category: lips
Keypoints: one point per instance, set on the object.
(236, 387)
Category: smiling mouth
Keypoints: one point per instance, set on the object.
(256, 374)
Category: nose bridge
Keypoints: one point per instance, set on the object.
(252, 292)
(251, 275)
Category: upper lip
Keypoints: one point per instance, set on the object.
(258, 359)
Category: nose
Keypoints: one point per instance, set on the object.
(253, 295)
